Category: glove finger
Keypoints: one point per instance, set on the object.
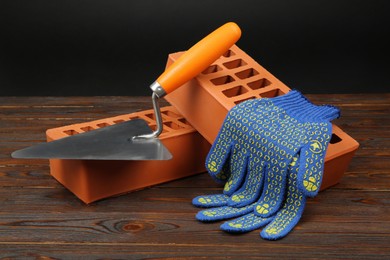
(251, 189)
(208, 201)
(219, 154)
(217, 160)
(287, 218)
(238, 165)
(221, 213)
(222, 176)
(312, 165)
(245, 223)
(273, 191)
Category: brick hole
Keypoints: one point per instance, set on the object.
(173, 125)
(242, 100)
(87, 128)
(151, 116)
(234, 64)
(247, 73)
(335, 139)
(229, 53)
(133, 117)
(101, 125)
(272, 93)
(261, 83)
(70, 132)
(170, 114)
(212, 69)
(184, 121)
(236, 91)
(222, 80)
(119, 121)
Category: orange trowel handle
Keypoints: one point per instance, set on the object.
(199, 57)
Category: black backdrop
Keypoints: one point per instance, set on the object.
(118, 47)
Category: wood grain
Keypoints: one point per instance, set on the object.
(40, 219)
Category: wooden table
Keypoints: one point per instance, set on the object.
(40, 218)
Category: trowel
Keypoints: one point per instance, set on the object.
(134, 139)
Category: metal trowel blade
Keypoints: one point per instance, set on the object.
(113, 142)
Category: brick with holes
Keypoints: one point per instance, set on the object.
(92, 180)
(234, 78)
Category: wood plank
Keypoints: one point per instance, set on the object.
(261, 249)
(39, 218)
(123, 222)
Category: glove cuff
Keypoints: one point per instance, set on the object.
(299, 107)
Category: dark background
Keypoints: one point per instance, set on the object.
(119, 47)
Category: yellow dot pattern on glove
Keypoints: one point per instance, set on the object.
(293, 204)
(246, 223)
(213, 200)
(310, 184)
(263, 209)
(238, 225)
(260, 129)
(283, 221)
(204, 200)
(224, 174)
(275, 132)
(294, 161)
(228, 185)
(314, 161)
(212, 166)
(237, 198)
(210, 213)
(315, 146)
(250, 190)
(224, 212)
(272, 231)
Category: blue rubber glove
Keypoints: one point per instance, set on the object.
(256, 144)
(293, 113)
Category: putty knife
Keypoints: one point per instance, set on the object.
(134, 139)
